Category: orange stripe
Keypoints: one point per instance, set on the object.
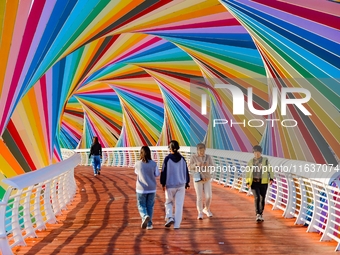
(10, 159)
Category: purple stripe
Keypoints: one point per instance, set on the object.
(308, 25)
(46, 13)
(207, 30)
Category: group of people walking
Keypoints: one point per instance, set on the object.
(175, 179)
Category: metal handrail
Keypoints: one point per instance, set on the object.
(35, 198)
(303, 190)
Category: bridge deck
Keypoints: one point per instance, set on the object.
(103, 219)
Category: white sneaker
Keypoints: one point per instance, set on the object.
(149, 227)
(95, 174)
(169, 222)
(261, 217)
(145, 221)
(258, 217)
(200, 216)
(208, 213)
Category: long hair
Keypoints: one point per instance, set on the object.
(95, 140)
(174, 146)
(145, 154)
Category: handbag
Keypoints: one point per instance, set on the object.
(197, 177)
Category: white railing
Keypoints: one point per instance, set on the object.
(302, 190)
(35, 198)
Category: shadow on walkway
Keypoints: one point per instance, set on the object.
(103, 219)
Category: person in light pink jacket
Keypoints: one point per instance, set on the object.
(200, 162)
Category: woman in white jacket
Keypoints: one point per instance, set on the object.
(199, 163)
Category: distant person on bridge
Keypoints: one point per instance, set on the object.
(174, 179)
(258, 174)
(199, 164)
(96, 151)
(147, 171)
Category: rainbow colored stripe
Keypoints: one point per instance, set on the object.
(132, 73)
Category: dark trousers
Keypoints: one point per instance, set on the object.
(259, 191)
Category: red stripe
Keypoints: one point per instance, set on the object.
(144, 94)
(145, 11)
(69, 128)
(141, 74)
(316, 16)
(56, 154)
(215, 23)
(45, 109)
(21, 146)
(31, 25)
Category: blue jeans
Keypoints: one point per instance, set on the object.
(145, 203)
(96, 163)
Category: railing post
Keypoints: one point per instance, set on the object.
(86, 158)
(316, 210)
(37, 209)
(303, 206)
(234, 175)
(129, 160)
(18, 238)
(27, 215)
(72, 186)
(278, 189)
(108, 159)
(62, 192)
(125, 158)
(290, 197)
(55, 202)
(330, 214)
(135, 158)
(50, 216)
(119, 159)
(243, 184)
(4, 245)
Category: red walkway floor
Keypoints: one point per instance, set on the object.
(103, 219)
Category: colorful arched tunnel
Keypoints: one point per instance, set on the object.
(133, 73)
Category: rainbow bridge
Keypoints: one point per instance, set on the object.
(139, 73)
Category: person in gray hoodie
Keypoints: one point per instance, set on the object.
(174, 179)
(147, 171)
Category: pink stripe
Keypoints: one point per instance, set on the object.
(318, 5)
(69, 130)
(208, 30)
(32, 23)
(46, 13)
(48, 98)
(162, 41)
(143, 96)
(215, 17)
(7, 89)
(320, 29)
(42, 118)
(46, 113)
(56, 154)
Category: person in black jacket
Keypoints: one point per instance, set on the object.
(96, 151)
(174, 179)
